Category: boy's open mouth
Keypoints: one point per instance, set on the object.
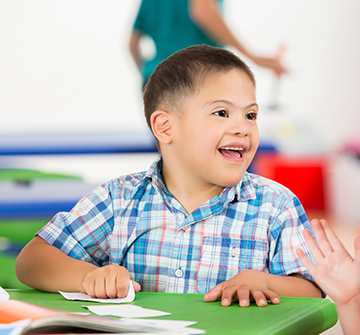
(232, 152)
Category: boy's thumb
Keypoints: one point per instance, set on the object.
(137, 286)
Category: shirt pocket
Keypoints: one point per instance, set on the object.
(224, 257)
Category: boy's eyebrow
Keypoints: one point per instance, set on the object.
(230, 103)
(252, 105)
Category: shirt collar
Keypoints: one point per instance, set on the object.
(245, 189)
(154, 171)
(242, 191)
(153, 175)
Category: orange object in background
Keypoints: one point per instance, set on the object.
(303, 175)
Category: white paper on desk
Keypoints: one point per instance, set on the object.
(125, 311)
(166, 324)
(159, 323)
(3, 295)
(169, 325)
(84, 297)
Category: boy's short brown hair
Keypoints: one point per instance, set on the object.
(181, 75)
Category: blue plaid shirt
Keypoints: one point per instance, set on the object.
(134, 222)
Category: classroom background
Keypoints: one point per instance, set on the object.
(65, 65)
(68, 84)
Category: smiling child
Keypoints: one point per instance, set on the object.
(196, 221)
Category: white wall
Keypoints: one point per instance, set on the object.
(323, 50)
(64, 65)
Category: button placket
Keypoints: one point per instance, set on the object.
(179, 273)
(234, 252)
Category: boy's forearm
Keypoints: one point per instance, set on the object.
(44, 267)
(292, 286)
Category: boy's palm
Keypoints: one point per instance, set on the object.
(334, 268)
(333, 276)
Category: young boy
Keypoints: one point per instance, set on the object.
(196, 221)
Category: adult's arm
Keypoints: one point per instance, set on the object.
(206, 14)
(135, 48)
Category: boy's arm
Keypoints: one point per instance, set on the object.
(260, 286)
(45, 267)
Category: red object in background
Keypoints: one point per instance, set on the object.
(304, 176)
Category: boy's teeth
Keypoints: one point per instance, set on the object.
(231, 148)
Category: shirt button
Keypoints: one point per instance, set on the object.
(178, 273)
(234, 252)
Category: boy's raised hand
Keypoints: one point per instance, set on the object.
(335, 269)
(246, 286)
(111, 281)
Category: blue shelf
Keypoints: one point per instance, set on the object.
(123, 141)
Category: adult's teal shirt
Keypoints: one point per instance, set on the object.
(169, 24)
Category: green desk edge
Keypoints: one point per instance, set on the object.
(292, 316)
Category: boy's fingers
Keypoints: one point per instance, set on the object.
(331, 236)
(244, 296)
(227, 295)
(110, 288)
(213, 294)
(306, 261)
(89, 290)
(100, 291)
(122, 290)
(259, 298)
(137, 286)
(89, 285)
(122, 284)
(313, 247)
(357, 248)
(321, 237)
(273, 297)
(309, 239)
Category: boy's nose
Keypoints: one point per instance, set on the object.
(239, 128)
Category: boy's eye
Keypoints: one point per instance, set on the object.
(251, 116)
(222, 113)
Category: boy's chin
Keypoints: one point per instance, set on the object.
(230, 182)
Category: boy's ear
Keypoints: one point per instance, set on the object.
(161, 126)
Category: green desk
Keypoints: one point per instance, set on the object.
(292, 316)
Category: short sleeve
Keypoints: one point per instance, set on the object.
(85, 232)
(285, 237)
(140, 23)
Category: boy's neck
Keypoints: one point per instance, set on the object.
(187, 191)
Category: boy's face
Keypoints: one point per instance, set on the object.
(216, 136)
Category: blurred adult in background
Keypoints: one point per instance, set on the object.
(176, 24)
